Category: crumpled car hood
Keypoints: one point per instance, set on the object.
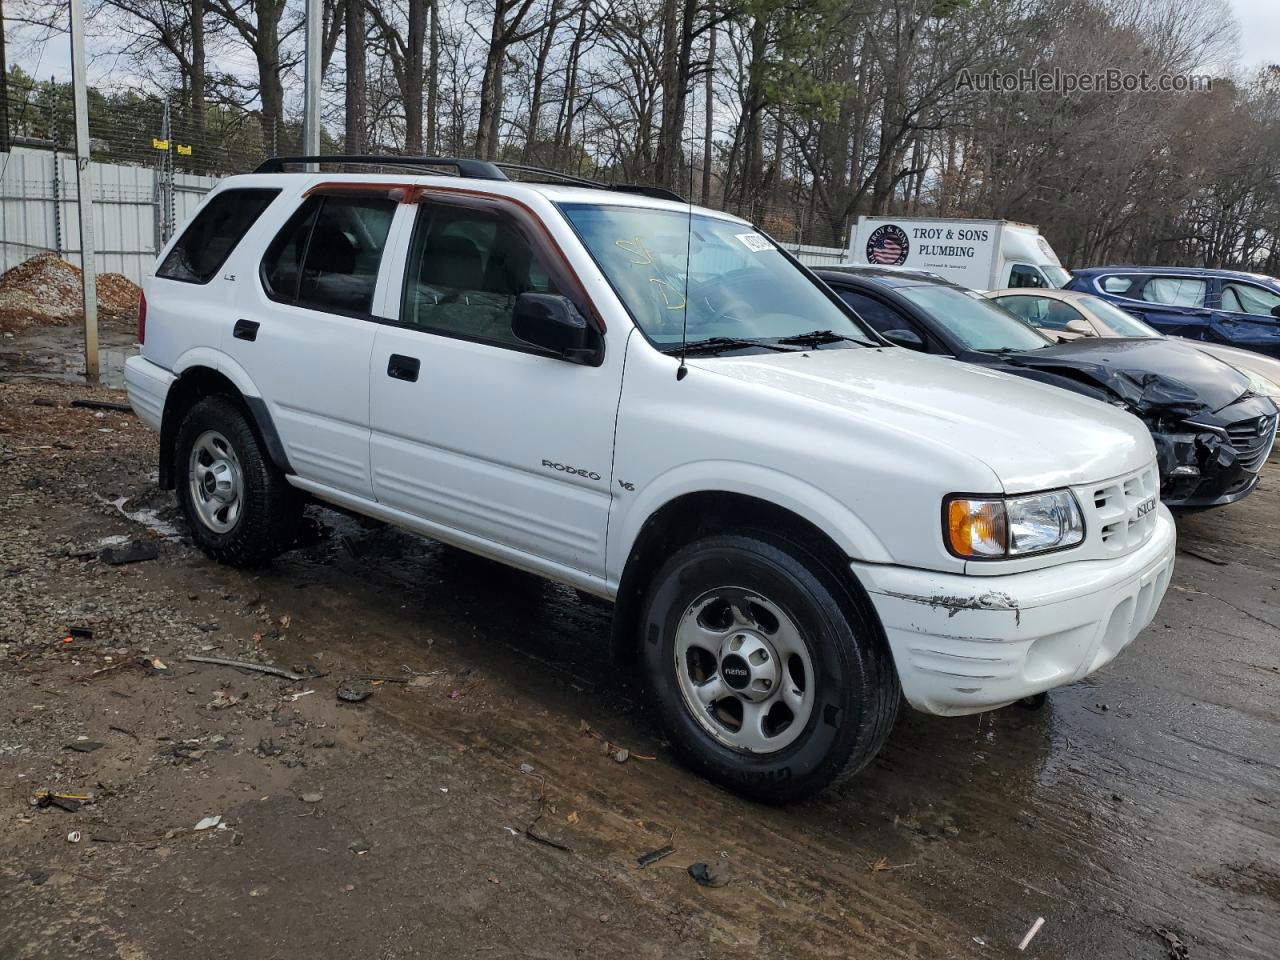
(1154, 377)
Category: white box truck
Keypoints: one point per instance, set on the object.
(981, 254)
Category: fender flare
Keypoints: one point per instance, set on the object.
(783, 490)
(204, 358)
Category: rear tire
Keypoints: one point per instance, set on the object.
(766, 668)
(240, 508)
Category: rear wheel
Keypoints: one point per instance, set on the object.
(765, 668)
(240, 508)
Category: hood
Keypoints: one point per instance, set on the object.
(1031, 436)
(1247, 362)
(1153, 377)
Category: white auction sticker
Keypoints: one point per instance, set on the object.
(754, 242)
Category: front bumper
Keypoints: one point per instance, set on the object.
(148, 385)
(964, 644)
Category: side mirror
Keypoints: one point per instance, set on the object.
(1275, 312)
(553, 323)
(1080, 328)
(904, 338)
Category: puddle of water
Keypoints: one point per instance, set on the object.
(146, 516)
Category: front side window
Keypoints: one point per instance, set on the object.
(1023, 276)
(883, 318)
(1246, 298)
(221, 223)
(723, 278)
(1175, 291)
(973, 319)
(1118, 322)
(1041, 312)
(327, 255)
(467, 266)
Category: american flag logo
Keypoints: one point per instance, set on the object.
(888, 246)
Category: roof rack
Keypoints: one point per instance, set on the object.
(476, 169)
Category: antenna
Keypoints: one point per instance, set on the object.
(682, 371)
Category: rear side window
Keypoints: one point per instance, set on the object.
(205, 245)
(1175, 291)
(327, 255)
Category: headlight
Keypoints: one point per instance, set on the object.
(991, 528)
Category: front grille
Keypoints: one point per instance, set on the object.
(1252, 440)
(1112, 510)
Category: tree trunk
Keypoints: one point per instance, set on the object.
(433, 81)
(491, 87)
(197, 71)
(357, 81)
(539, 79)
(412, 92)
(708, 130)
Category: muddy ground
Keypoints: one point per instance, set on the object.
(1146, 798)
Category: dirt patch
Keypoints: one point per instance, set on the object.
(45, 290)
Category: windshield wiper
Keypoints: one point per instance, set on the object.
(816, 338)
(713, 345)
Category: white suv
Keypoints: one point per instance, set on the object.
(798, 524)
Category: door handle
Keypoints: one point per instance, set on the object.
(400, 367)
(246, 330)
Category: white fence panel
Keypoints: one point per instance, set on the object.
(38, 210)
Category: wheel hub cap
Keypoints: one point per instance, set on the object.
(744, 670)
(215, 481)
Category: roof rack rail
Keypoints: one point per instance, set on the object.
(659, 193)
(478, 169)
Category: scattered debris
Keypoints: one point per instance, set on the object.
(103, 835)
(222, 700)
(247, 665)
(711, 874)
(133, 552)
(1035, 928)
(375, 678)
(311, 797)
(1173, 943)
(354, 691)
(74, 836)
(608, 747)
(102, 405)
(80, 633)
(294, 697)
(83, 746)
(653, 856)
(70, 802)
(126, 731)
(208, 823)
(526, 768)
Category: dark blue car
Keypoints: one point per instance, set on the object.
(1218, 306)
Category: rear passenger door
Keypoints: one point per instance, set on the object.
(1172, 304)
(1248, 316)
(303, 335)
(474, 431)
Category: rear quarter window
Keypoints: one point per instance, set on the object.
(209, 239)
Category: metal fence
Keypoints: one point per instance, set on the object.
(135, 209)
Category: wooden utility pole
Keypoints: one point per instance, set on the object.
(84, 190)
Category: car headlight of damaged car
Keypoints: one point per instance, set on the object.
(993, 528)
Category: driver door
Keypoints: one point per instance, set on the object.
(473, 430)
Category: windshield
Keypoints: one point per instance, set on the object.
(1057, 276)
(740, 286)
(1120, 323)
(973, 319)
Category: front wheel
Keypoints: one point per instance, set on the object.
(240, 508)
(765, 668)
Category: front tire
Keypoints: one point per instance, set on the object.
(766, 669)
(240, 508)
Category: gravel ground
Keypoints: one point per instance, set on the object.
(474, 805)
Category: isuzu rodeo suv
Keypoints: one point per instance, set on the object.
(798, 523)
